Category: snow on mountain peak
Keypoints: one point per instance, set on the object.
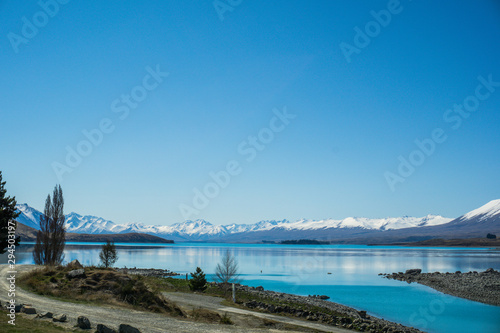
(490, 209)
(198, 222)
(204, 230)
(368, 223)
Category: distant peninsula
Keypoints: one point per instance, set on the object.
(304, 242)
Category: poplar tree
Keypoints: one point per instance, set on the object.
(50, 239)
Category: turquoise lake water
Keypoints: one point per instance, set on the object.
(354, 280)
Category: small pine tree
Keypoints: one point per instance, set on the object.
(198, 281)
(108, 254)
(7, 214)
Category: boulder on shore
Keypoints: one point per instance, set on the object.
(28, 309)
(75, 264)
(124, 328)
(104, 329)
(45, 315)
(83, 322)
(60, 318)
(76, 273)
(413, 271)
(362, 314)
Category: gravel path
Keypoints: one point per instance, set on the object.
(190, 301)
(111, 316)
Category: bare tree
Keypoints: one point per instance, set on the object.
(108, 254)
(227, 270)
(51, 237)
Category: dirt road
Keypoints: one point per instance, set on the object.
(144, 321)
(190, 301)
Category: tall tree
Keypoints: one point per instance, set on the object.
(108, 254)
(7, 214)
(50, 239)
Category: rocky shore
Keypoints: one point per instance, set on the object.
(147, 272)
(315, 309)
(481, 287)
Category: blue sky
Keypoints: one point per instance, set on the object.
(350, 117)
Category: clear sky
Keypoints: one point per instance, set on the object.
(354, 83)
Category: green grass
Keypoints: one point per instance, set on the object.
(28, 325)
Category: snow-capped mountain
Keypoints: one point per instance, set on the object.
(90, 224)
(188, 230)
(474, 224)
(488, 211)
(29, 216)
(201, 230)
(350, 222)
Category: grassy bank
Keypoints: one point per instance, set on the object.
(97, 286)
(102, 286)
(28, 325)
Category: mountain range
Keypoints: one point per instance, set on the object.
(28, 234)
(352, 229)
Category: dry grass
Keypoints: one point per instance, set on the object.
(28, 325)
(102, 286)
(204, 315)
(226, 320)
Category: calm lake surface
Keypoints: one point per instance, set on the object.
(354, 280)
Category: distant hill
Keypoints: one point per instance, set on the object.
(28, 234)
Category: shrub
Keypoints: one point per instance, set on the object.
(108, 255)
(198, 281)
(226, 320)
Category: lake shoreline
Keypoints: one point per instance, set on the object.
(296, 306)
(352, 318)
(483, 287)
(462, 242)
